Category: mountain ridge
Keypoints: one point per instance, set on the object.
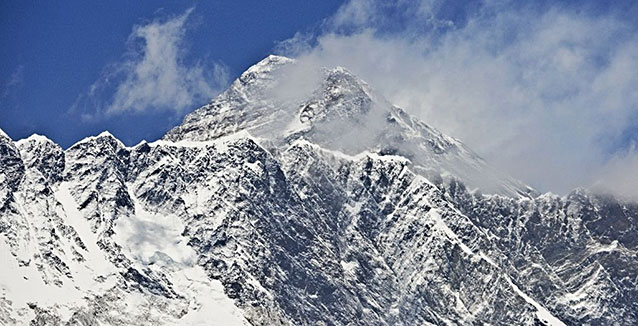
(250, 202)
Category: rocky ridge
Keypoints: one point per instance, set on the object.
(332, 207)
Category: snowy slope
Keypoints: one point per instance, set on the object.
(64, 262)
(322, 206)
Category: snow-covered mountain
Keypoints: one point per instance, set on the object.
(287, 204)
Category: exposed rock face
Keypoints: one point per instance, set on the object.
(11, 169)
(331, 208)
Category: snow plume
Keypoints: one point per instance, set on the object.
(544, 92)
(619, 174)
(154, 74)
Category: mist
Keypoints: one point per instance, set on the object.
(546, 94)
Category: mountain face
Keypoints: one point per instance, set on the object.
(317, 204)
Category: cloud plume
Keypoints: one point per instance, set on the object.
(153, 74)
(544, 92)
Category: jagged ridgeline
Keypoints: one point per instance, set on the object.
(301, 198)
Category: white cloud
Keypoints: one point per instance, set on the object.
(543, 93)
(619, 174)
(356, 13)
(153, 75)
(15, 81)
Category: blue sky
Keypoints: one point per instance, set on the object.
(544, 90)
(53, 51)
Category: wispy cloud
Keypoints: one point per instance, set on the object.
(15, 81)
(153, 74)
(544, 92)
(619, 174)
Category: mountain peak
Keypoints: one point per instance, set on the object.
(341, 96)
(11, 167)
(4, 137)
(339, 111)
(105, 133)
(271, 60)
(35, 138)
(41, 154)
(262, 70)
(104, 136)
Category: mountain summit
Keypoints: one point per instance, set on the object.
(337, 111)
(300, 197)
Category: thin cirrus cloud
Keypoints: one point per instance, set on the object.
(545, 93)
(153, 75)
(15, 81)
